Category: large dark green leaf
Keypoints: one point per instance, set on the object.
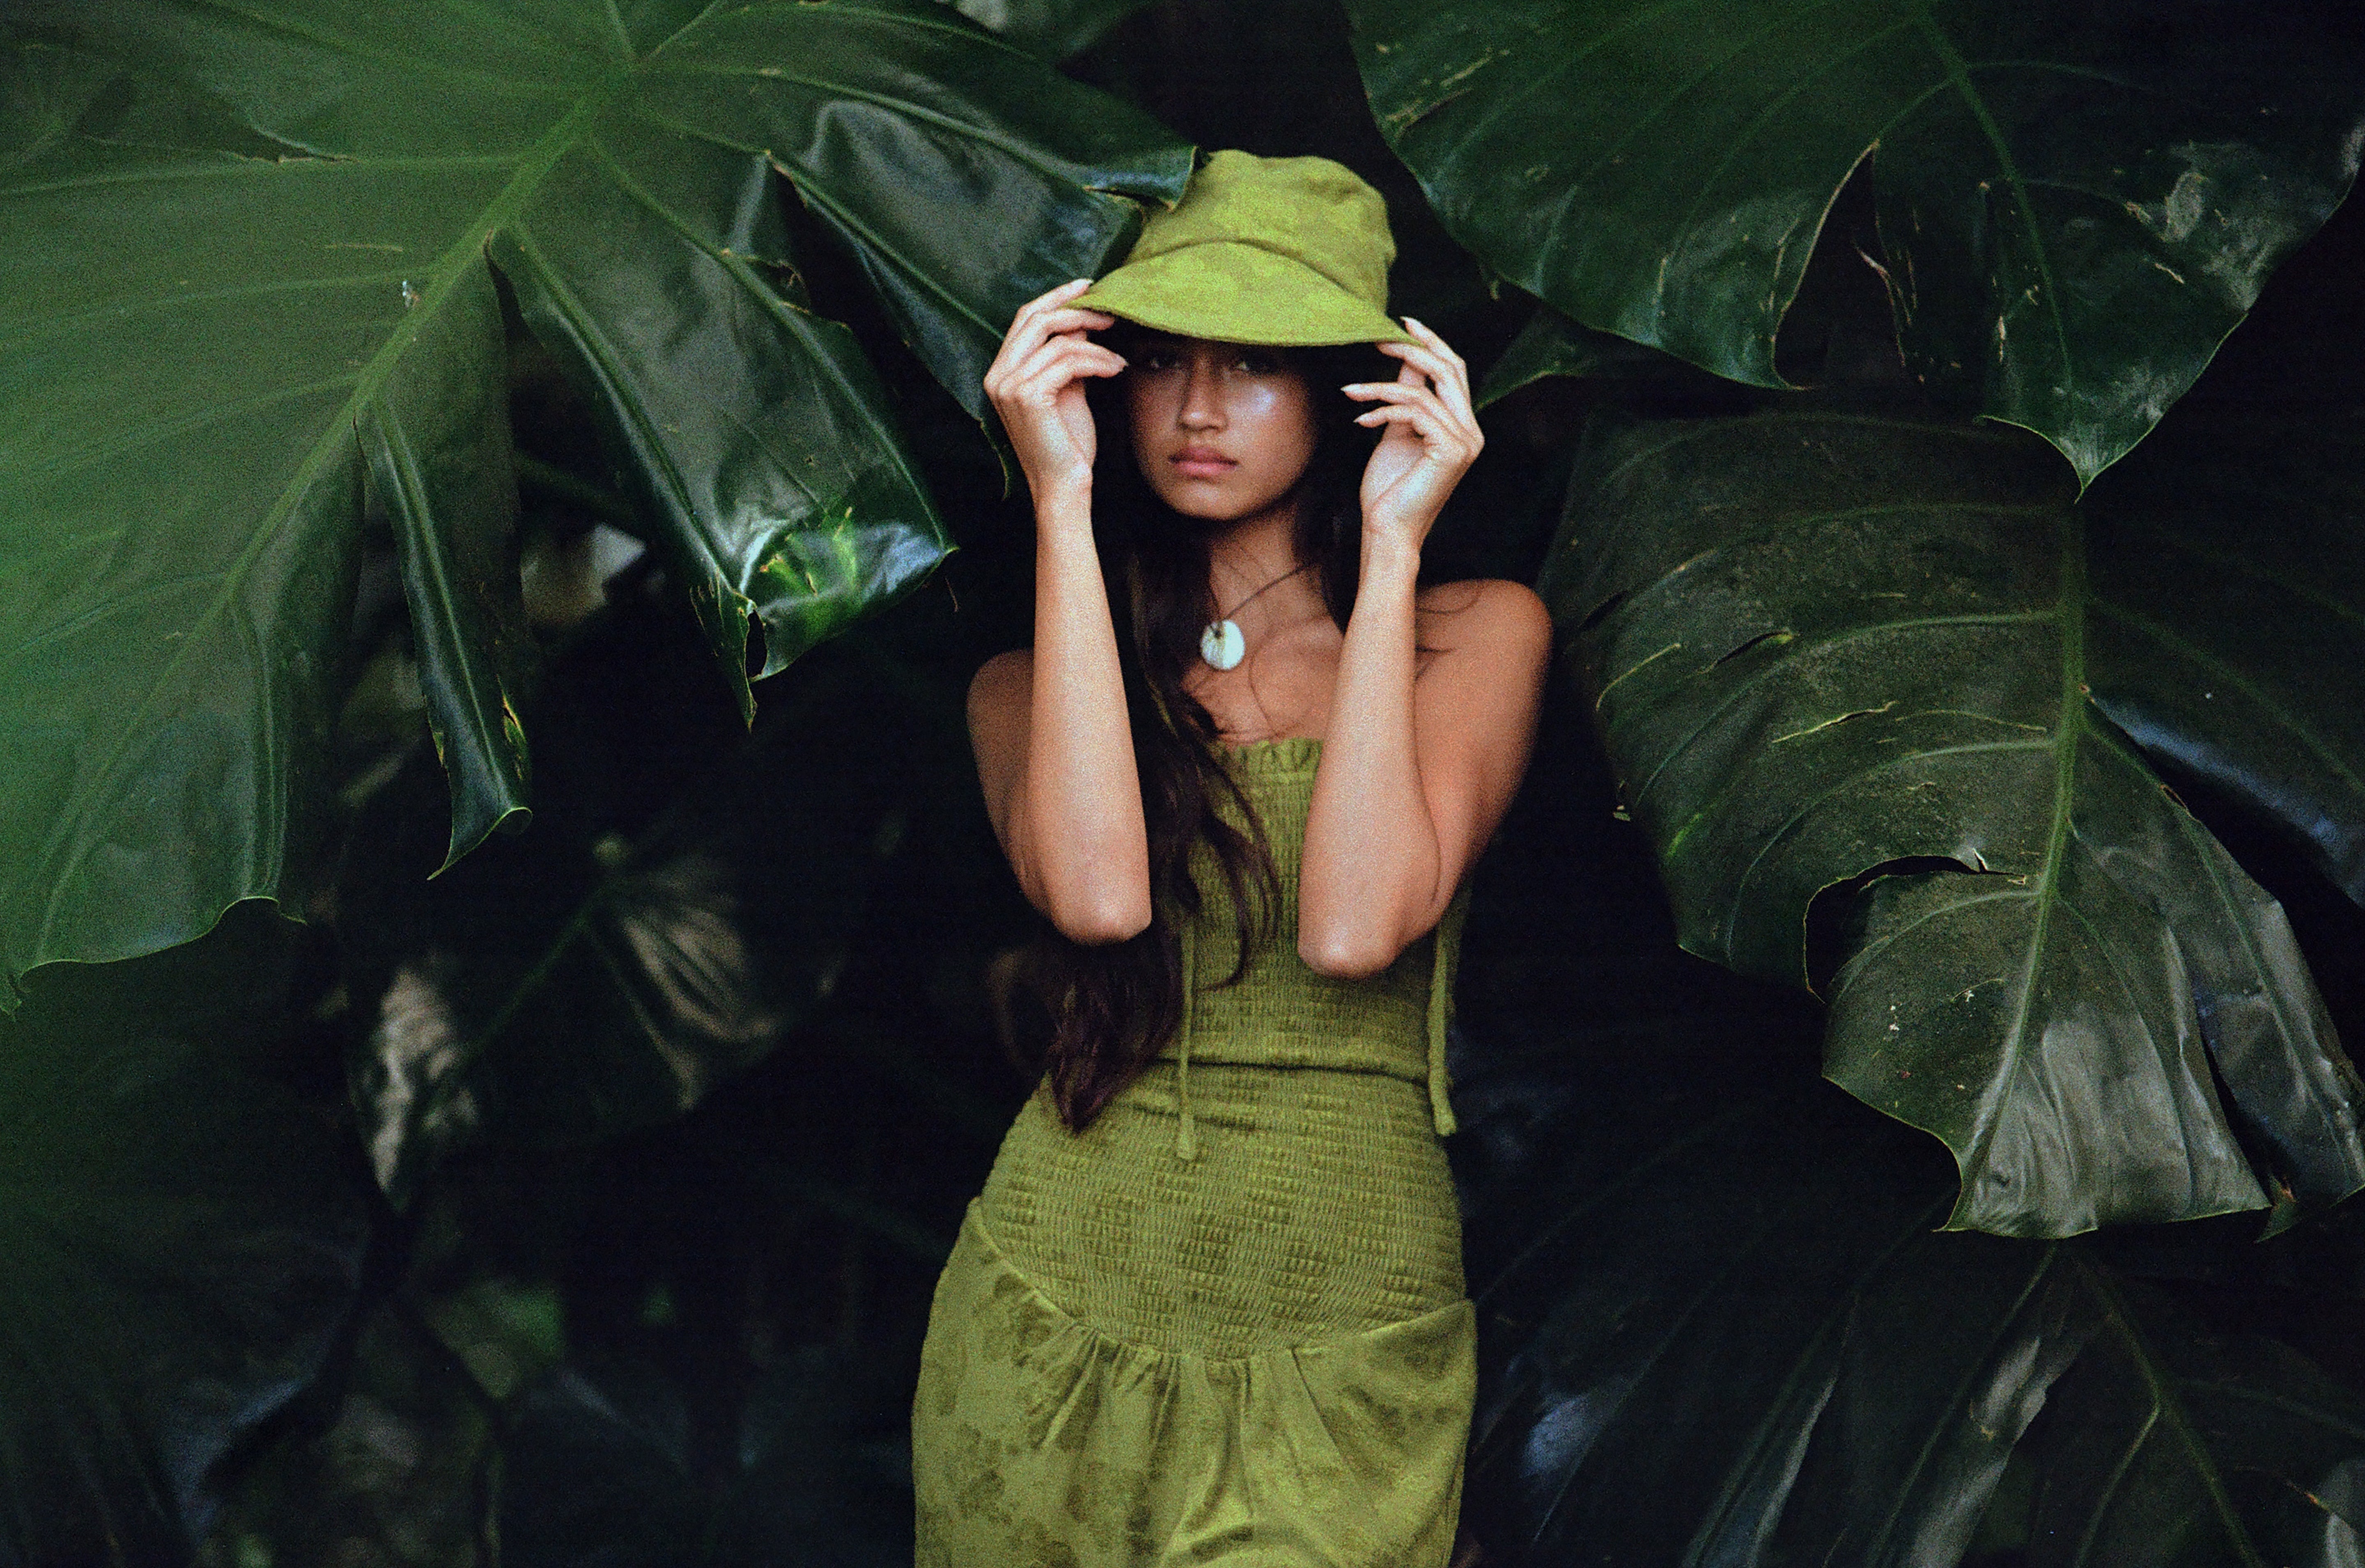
(181, 1242)
(1052, 28)
(244, 287)
(1823, 646)
(2077, 202)
(1734, 1340)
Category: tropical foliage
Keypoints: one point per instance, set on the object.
(1825, 650)
(1825, 645)
(252, 291)
(1867, 1393)
(390, 393)
(2076, 203)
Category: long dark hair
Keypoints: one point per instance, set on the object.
(1114, 1006)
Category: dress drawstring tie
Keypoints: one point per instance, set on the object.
(1440, 1011)
(1187, 1135)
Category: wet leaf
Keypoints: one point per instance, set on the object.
(1828, 648)
(2077, 202)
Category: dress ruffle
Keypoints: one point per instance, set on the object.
(1078, 1447)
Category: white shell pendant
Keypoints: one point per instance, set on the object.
(1222, 646)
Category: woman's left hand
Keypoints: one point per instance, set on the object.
(1432, 437)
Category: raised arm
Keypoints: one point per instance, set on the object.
(1434, 707)
(1054, 747)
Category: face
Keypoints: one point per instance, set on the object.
(1221, 431)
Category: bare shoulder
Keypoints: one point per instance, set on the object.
(1000, 690)
(1492, 617)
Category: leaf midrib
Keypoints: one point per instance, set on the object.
(117, 311)
(1958, 72)
(222, 165)
(2070, 615)
(2170, 1410)
(1958, 1405)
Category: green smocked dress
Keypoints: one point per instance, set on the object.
(1225, 1323)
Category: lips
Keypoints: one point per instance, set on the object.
(1201, 463)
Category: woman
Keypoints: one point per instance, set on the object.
(1209, 1307)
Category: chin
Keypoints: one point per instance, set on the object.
(1215, 509)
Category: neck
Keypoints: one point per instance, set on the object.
(1251, 554)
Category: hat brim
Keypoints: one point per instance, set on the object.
(1235, 293)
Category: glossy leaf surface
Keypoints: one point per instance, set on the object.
(180, 1244)
(244, 285)
(2077, 202)
(1741, 1313)
(1824, 647)
(1052, 28)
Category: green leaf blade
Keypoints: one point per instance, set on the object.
(243, 263)
(2077, 205)
(181, 1248)
(966, 177)
(1826, 649)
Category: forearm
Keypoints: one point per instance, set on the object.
(1368, 879)
(1079, 814)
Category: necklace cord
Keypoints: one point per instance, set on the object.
(1223, 616)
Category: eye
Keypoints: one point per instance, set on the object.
(1257, 361)
(1156, 358)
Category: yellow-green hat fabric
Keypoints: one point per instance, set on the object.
(1290, 253)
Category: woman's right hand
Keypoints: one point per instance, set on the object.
(1036, 384)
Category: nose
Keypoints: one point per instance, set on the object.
(1202, 402)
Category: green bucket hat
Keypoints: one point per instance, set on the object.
(1289, 253)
